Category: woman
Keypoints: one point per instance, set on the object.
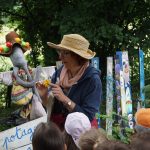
(76, 85)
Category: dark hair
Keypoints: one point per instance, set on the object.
(47, 136)
(141, 141)
(69, 142)
(80, 59)
(111, 145)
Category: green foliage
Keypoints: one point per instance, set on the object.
(3, 90)
(107, 24)
(4, 114)
(146, 91)
(119, 131)
(124, 135)
(4, 66)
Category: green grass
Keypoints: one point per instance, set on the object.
(4, 113)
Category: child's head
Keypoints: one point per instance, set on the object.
(48, 136)
(141, 141)
(91, 137)
(142, 120)
(111, 145)
(76, 124)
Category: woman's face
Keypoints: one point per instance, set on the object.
(68, 59)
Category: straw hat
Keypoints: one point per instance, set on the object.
(12, 38)
(75, 43)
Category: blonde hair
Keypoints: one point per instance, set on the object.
(90, 138)
(112, 145)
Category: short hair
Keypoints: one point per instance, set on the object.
(47, 136)
(111, 145)
(91, 137)
(80, 59)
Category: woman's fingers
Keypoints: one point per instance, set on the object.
(54, 85)
(39, 85)
(57, 92)
(41, 89)
(56, 89)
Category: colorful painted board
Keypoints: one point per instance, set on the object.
(95, 63)
(123, 91)
(118, 59)
(109, 95)
(127, 87)
(142, 77)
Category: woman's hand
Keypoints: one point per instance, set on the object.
(58, 93)
(43, 92)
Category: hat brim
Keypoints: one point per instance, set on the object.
(85, 54)
(7, 54)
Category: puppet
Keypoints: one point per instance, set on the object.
(24, 91)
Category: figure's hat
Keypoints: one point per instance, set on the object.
(12, 38)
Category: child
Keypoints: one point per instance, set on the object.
(142, 119)
(140, 141)
(76, 124)
(48, 137)
(91, 137)
(111, 145)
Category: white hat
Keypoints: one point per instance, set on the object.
(76, 124)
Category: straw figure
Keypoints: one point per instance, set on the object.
(24, 89)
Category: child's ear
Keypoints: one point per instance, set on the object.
(65, 147)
